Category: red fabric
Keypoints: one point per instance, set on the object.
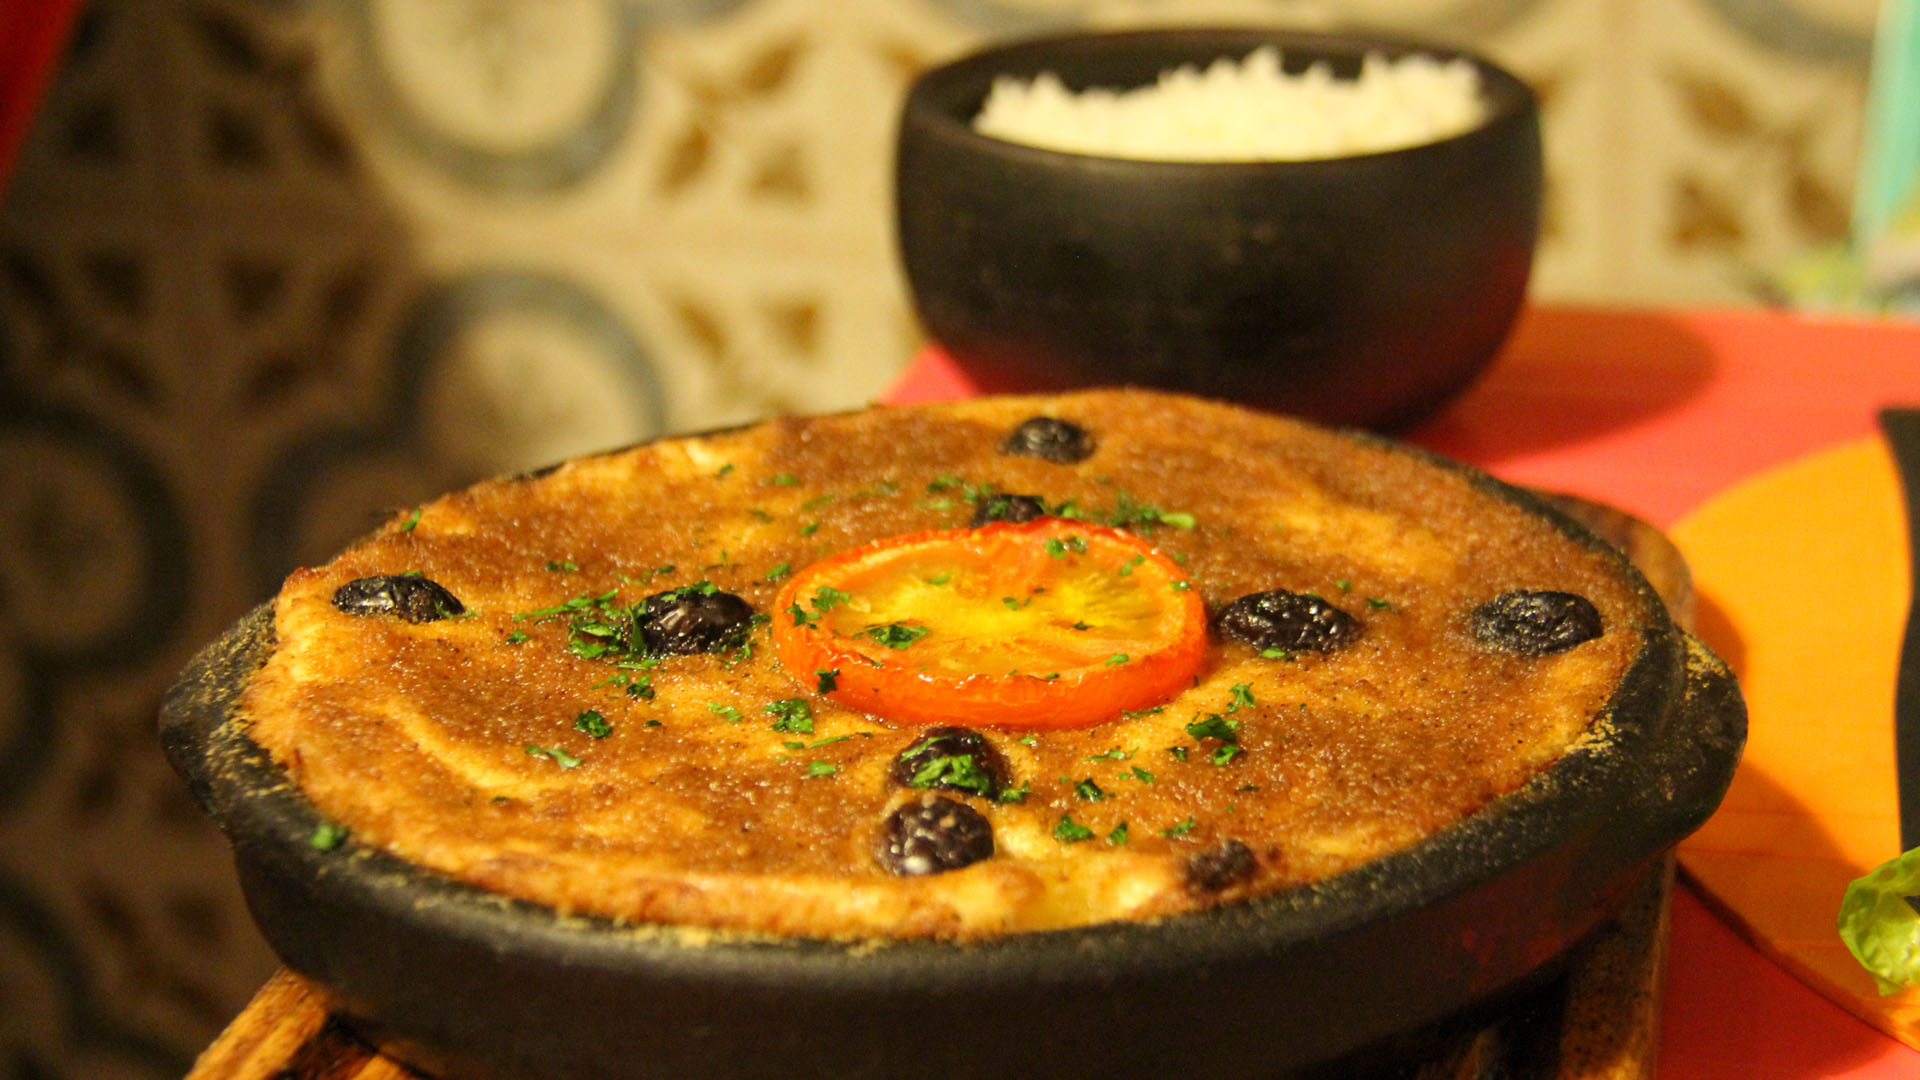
(1729, 1013)
(1654, 412)
(1650, 411)
(32, 34)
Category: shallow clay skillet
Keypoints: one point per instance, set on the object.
(1354, 969)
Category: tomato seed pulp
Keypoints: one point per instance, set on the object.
(1049, 623)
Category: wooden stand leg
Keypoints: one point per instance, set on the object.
(288, 1032)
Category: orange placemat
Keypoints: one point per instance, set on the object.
(1802, 578)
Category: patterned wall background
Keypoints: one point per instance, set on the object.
(271, 267)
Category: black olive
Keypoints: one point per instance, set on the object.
(1014, 508)
(406, 596)
(951, 759)
(1049, 439)
(694, 619)
(1220, 868)
(1288, 621)
(1536, 622)
(932, 835)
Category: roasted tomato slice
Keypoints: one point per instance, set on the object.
(1047, 623)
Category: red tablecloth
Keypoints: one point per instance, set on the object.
(1654, 412)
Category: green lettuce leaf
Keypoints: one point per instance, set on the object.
(1881, 927)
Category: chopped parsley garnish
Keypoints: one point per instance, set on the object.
(516, 637)
(792, 714)
(560, 757)
(726, 712)
(703, 587)
(1378, 604)
(1226, 752)
(562, 566)
(648, 575)
(1119, 835)
(779, 572)
(1139, 774)
(825, 599)
(597, 624)
(827, 677)
(822, 768)
(952, 770)
(1115, 754)
(1013, 795)
(1058, 547)
(1127, 511)
(1181, 585)
(600, 604)
(810, 528)
(1215, 726)
(636, 686)
(412, 520)
(1181, 829)
(593, 724)
(1242, 697)
(1126, 570)
(816, 503)
(1116, 659)
(895, 635)
(1177, 753)
(327, 835)
(1276, 654)
(940, 579)
(1069, 831)
(725, 470)
(782, 480)
(1090, 791)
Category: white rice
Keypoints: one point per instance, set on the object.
(1250, 111)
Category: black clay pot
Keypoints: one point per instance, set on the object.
(1361, 290)
(1355, 968)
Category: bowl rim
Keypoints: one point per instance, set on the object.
(935, 96)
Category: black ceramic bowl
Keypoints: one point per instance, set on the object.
(1362, 290)
(1363, 967)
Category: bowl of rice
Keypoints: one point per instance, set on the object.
(1339, 227)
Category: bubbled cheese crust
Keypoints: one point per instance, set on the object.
(695, 812)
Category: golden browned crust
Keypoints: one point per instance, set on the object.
(415, 737)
